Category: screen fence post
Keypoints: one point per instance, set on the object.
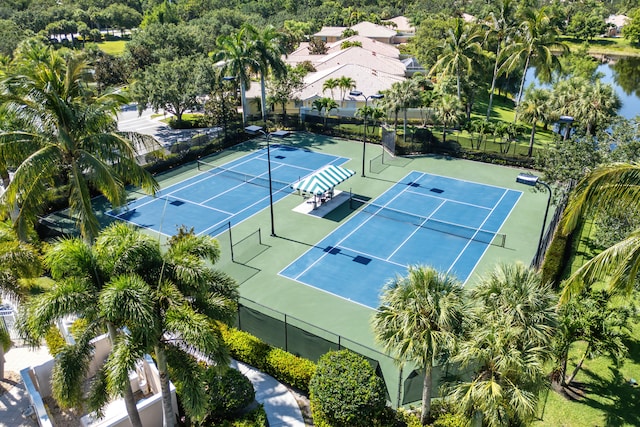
(230, 241)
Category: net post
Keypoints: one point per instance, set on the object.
(350, 199)
(259, 236)
(231, 241)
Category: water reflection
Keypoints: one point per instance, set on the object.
(626, 74)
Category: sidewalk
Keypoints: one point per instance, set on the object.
(279, 404)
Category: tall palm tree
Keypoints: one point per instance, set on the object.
(448, 111)
(236, 52)
(535, 40)
(536, 107)
(80, 280)
(502, 25)
(418, 320)
(345, 84)
(67, 136)
(617, 186)
(459, 50)
(268, 46)
(507, 344)
(597, 106)
(330, 84)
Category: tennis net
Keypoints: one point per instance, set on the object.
(470, 233)
(241, 176)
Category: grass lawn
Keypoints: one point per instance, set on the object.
(115, 47)
(608, 398)
(605, 46)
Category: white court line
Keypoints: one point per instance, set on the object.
(368, 255)
(449, 200)
(416, 229)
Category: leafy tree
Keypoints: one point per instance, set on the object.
(10, 36)
(345, 391)
(507, 344)
(569, 160)
(282, 90)
(587, 25)
(536, 107)
(458, 52)
(228, 392)
(171, 85)
(122, 17)
(67, 137)
(418, 321)
(317, 46)
(631, 31)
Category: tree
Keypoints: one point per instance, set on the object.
(507, 344)
(591, 318)
(596, 106)
(317, 46)
(330, 84)
(501, 27)
(18, 260)
(448, 111)
(284, 89)
(404, 95)
(418, 321)
(122, 17)
(631, 31)
(345, 84)
(268, 46)
(172, 86)
(536, 107)
(326, 105)
(458, 52)
(68, 137)
(612, 186)
(236, 54)
(586, 25)
(535, 40)
(345, 390)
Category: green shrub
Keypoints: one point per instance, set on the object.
(54, 340)
(345, 391)
(451, 420)
(229, 391)
(78, 327)
(5, 339)
(285, 367)
(290, 368)
(555, 259)
(255, 418)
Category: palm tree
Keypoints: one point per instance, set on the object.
(448, 111)
(81, 279)
(616, 185)
(459, 51)
(418, 320)
(18, 260)
(536, 107)
(508, 343)
(326, 105)
(236, 52)
(67, 135)
(501, 26)
(345, 84)
(269, 46)
(330, 84)
(596, 106)
(534, 43)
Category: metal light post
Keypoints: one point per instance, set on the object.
(254, 130)
(533, 180)
(364, 137)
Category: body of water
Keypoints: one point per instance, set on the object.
(624, 76)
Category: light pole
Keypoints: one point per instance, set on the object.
(254, 130)
(364, 136)
(533, 180)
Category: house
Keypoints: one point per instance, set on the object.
(330, 34)
(404, 29)
(302, 54)
(376, 32)
(361, 56)
(615, 24)
(145, 382)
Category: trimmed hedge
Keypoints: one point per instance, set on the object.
(285, 367)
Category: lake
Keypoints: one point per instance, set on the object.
(624, 76)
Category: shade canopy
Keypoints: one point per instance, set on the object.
(323, 180)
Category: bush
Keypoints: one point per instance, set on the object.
(345, 391)
(255, 418)
(54, 340)
(555, 259)
(229, 392)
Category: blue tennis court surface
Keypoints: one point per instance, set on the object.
(231, 193)
(423, 219)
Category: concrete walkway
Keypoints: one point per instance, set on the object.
(280, 405)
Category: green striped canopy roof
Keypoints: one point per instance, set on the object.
(323, 180)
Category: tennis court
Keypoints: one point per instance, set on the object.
(224, 194)
(425, 219)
